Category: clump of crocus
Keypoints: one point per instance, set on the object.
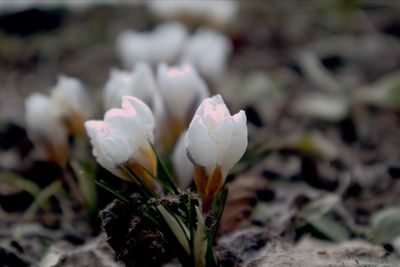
(187, 221)
(139, 82)
(163, 44)
(208, 50)
(181, 90)
(122, 141)
(215, 141)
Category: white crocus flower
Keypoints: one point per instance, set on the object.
(45, 128)
(163, 44)
(208, 51)
(181, 89)
(215, 141)
(70, 96)
(139, 82)
(124, 138)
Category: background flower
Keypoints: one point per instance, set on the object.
(45, 129)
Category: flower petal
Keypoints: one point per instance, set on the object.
(238, 143)
(222, 136)
(200, 147)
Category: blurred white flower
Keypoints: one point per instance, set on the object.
(181, 90)
(208, 51)
(323, 107)
(70, 96)
(139, 82)
(45, 129)
(183, 167)
(124, 137)
(215, 141)
(163, 44)
(216, 12)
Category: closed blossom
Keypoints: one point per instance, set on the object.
(70, 96)
(45, 128)
(139, 82)
(163, 44)
(181, 89)
(123, 138)
(208, 50)
(215, 142)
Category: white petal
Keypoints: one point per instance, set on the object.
(43, 121)
(144, 83)
(183, 167)
(238, 143)
(200, 147)
(184, 82)
(142, 113)
(208, 50)
(213, 111)
(171, 36)
(222, 136)
(116, 149)
(70, 95)
(119, 84)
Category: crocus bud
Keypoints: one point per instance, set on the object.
(139, 82)
(45, 128)
(123, 138)
(208, 51)
(181, 89)
(70, 96)
(163, 44)
(215, 141)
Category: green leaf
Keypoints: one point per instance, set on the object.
(385, 225)
(318, 208)
(43, 196)
(330, 228)
(20, 182)
(105, 186)
(170, 178)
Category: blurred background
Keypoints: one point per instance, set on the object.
(319, 81)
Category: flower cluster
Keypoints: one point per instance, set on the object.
(214, 141)
(160, 92)
(50, 119)
(206, 49)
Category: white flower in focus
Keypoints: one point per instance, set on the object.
(124, 137)
(208, 51)
(183, 167)
(139, 82)
(215, 141)
(181, 90)
(45, 128)
(163, 44)
(70, 96)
